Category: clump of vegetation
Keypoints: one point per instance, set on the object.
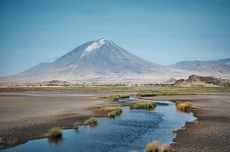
(117, 97)
(110, 111)
(76, 125)
(54, 133)
(158, 93)
(155, 146)
(147, 94)
(115, 112)
(184, 106)
(147, 105)
(91, 121)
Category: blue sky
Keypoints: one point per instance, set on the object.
(161, 31)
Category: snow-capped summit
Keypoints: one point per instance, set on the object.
(96, 61)
(94, 46)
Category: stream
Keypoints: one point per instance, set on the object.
(129, 132)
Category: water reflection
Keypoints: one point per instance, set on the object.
(55, 140)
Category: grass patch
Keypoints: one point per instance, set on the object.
(115, 112)
(147, 105)
(155, 89)
(91, 121)
(184, 106)
(76, 125)
(155, 146)
(162, 93)
(116, 97)
(147, 94)
(54, 133)
(110, 111)
(172, 90)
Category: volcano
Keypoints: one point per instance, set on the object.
(100, 61)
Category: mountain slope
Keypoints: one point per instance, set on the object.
(218, 67)
(38, 67)
(103, 56)
(98, 61)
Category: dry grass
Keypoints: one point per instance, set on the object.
(147, 105)
(115, 113)
(91, 122)
(147, 94)
(184, 106)
(116, 97)
(76, 125)
(110, 111)
(148, 90)
(155, 146)
(54, 133)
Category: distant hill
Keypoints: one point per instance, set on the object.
(215, 67)
(195, 80)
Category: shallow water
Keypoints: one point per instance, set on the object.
(129, 132)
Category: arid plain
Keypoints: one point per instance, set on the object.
(27, 113)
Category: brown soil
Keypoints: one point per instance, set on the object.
(211, 133)
(25, 115)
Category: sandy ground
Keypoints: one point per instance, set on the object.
(28, 115)
(212, 131)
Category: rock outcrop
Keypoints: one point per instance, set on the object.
(195, 80)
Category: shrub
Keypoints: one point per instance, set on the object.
(184, 106)
(91, 121)
(117, 97)
(155, 146)
(147, 105)
(54, 132)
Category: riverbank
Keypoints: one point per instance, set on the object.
(29, 115)
(211, 133)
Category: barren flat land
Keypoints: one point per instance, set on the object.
(26, 115)
(211, 132)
